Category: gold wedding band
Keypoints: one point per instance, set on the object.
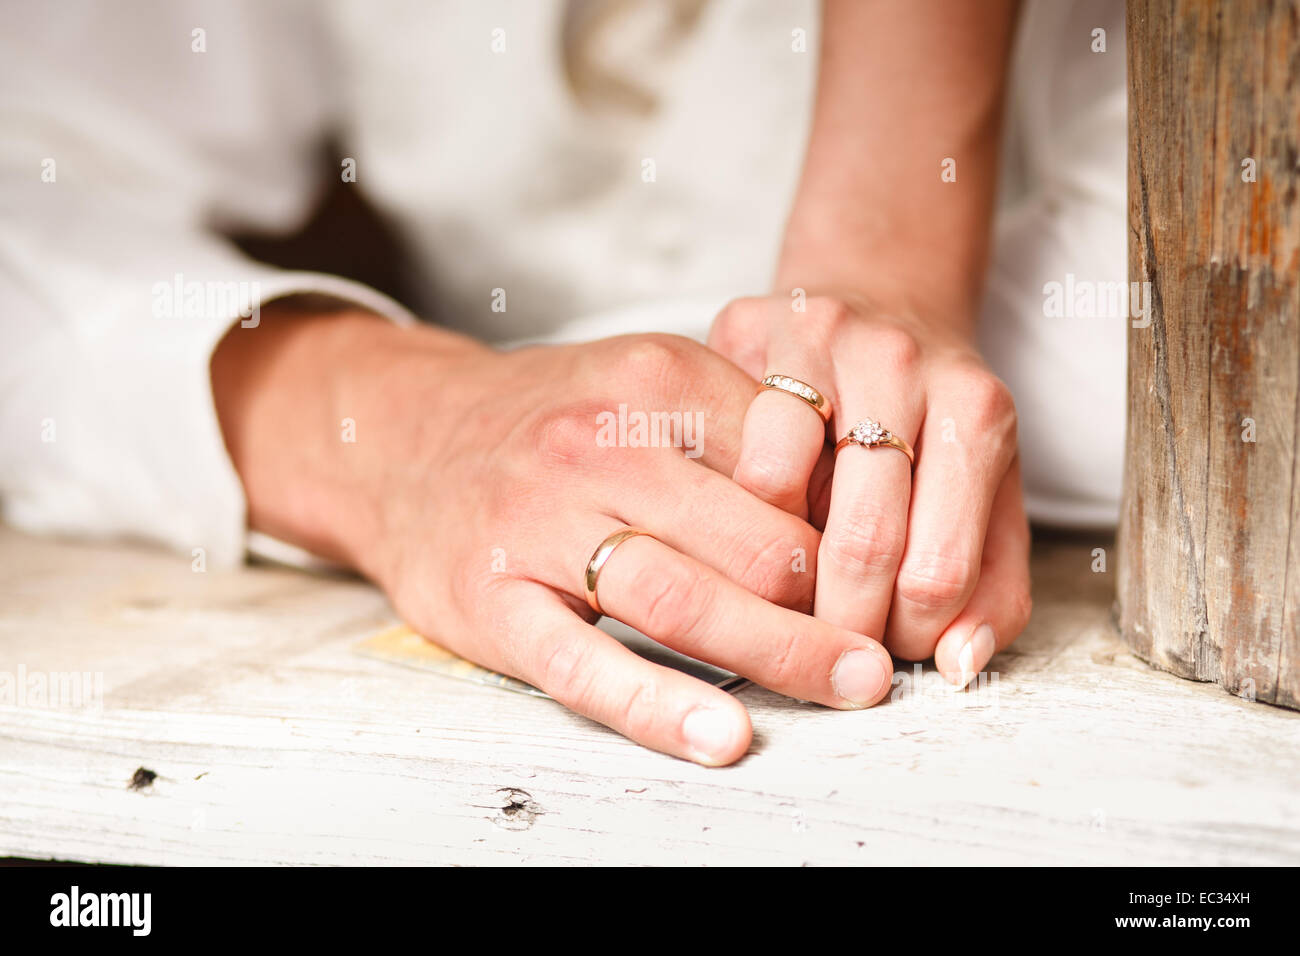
(600, 556)
(800, 390)
(870, 434)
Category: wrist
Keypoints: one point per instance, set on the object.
(934, 308)
(896, 269)
(310, 407)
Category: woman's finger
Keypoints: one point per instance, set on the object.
(969, 441)
(785, 426)
(999, 607)
(819, 488)
(866, 525)
(782, 438)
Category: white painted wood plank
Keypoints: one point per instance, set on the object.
(274, 743)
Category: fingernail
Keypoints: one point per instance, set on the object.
(859, 677)
(710, 733)
(975, 653)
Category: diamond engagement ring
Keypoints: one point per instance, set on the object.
(870, 434)
(802, 390)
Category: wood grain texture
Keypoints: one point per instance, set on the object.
(1209, 575)
(274, 742)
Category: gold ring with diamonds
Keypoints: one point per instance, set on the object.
(801, 390)
(600, 556)
(870, 434)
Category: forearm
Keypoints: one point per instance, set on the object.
(903, 87)
(307, 402)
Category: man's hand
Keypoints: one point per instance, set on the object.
(479, 485)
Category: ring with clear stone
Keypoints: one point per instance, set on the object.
(871, 434)
(800, 390)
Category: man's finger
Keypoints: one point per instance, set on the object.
(689, 607)
(709, 517)
(592, 674)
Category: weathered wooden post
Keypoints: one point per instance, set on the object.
(1209, 547)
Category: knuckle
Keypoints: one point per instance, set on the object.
(770, 476)
(564, 673)
(896, 348)
(786, 663)
(867, 545)
(765, 566)
(675, 599)
(935, 581)
(736, 330)
(567, 437)
(639, 713)
(739, 316)
(829, 311)
(646, 359)
(824, 318)
(993, 405)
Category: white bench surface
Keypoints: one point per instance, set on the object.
(273, 742)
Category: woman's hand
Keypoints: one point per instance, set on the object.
(480, 483)
(896, 200)
(934, 558)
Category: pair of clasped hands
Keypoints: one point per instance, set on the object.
(477, 490)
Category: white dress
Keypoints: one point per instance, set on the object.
(135, 133)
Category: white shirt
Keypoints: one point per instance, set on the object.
(127, 152)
